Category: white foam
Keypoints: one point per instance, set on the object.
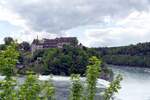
(100, 82)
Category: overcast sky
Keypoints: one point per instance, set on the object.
(94, 22)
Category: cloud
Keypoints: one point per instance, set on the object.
(131, 30)
(11, 17)
(101, 22)
(56, 15)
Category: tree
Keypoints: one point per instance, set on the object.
(65, 61)
(113, 88)
(76, 92)
(7, 88)
(25, 46)
(30, 90)
(92, 74)
(50, 61)
(132, 55)
(8, 40)
(75, 42)
(8, 60)
(2, 46)
(48, 90)
(33, 89)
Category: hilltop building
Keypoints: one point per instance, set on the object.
(52, 43)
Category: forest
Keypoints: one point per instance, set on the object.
(132, 55)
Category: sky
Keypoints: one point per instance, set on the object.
(96, 23)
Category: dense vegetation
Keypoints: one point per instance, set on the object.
(57, 61)
(63, 61)
(33, 89)
(133, 55)
(48, 61)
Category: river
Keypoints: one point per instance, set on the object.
(62, 85)
(135, 84)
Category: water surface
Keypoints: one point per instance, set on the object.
(135, 84)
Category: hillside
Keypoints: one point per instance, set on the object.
(132, 55)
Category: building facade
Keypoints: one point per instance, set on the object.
(52, 43)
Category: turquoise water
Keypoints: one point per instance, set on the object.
(136, 83)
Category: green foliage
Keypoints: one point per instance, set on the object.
(74, 42)
(113, 88)
(2, 46)
(127, 60)
(140, 49)
(49, 58)
(33, 89)
(48, 91)
(30, 90)
(8, 60)
(7, 89)
(59, 61)
(132, 55)
(36, 54)
(65, 61)
(77, 88)
(92, 74)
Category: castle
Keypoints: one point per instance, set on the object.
(52, 43)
